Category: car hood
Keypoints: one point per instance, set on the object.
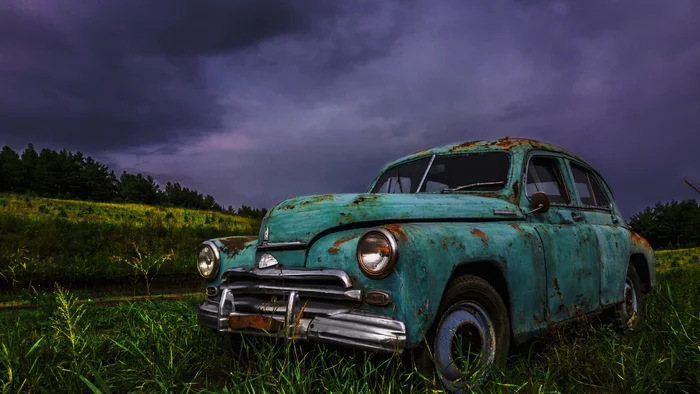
(301, 219)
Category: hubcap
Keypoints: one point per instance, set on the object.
(465, 343)
(631, 303)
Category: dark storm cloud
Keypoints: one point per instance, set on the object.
(331, 91)
(104, 75)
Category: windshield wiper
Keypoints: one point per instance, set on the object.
(472, 185)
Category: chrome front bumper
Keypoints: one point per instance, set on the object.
(302, 311)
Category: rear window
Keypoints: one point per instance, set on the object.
(588, 188)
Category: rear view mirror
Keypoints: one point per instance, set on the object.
(539, 202)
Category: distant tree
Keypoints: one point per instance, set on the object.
(11, 171)
(47, 174)
(30, 161)
(669, 225)
(99, 183)
(210, 204)
(139, 189)
(254, 213)
(72, 175)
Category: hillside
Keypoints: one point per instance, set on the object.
(45, 239)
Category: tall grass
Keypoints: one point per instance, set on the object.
(159, 346)
(67, 241)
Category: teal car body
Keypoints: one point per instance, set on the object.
(547, 266)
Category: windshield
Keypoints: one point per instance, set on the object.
(471, 172)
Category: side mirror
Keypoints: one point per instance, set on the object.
(539, 202)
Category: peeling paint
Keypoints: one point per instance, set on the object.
(517, 227)
(231, 246)
(482, 235)
(343, 240)
(397, 231)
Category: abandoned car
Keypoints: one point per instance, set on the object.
(465, 248)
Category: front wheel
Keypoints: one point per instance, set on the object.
(472, 335)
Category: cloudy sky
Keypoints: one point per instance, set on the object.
(256, 101)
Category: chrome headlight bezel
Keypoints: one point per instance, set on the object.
(217, 259)
(387, 268)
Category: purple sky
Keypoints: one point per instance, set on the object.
(256, 101)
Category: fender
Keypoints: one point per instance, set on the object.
(429, 253)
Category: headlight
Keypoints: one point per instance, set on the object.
(377, 252)
(208, 260)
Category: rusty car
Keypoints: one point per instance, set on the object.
(463, 249)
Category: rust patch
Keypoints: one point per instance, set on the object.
(535, 320)
(317, 199)
(421, 152)
(464, 146)
(333, 250)
(444, 245)
(515, 226)
(319, 260)
(290, 206)
(557, 290)
(397, 230)
(343, 240)
(323, 197)
(638, 239)
(253, 321)
(482, 235)
(516, 189)
(233, 245)
(364, 198)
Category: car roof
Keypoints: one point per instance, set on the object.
(504, 144)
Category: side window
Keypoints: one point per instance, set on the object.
(588, 188)
(544, 175)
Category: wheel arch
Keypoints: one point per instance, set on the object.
(491, 272)
(641, 265)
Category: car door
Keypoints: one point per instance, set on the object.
(569, 244)
(608, 226)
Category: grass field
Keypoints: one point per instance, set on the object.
(158, 346)
(679, 258)
(73, 241)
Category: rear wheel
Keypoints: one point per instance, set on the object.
(629, 311)
(472, 335)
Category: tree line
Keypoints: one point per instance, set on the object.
(669, 225)
(67, 175)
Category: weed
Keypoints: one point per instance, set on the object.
(146, 263)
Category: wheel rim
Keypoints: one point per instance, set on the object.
(631, 303)
(465, 330)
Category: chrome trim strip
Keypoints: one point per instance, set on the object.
(425, 174)
(282, 245)
(275, 272)
(267, 288)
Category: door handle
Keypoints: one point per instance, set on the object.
(576, 216)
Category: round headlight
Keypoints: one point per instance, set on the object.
(208, 260)
(377, 253)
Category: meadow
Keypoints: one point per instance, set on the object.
(71, 341)
(76, 242)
